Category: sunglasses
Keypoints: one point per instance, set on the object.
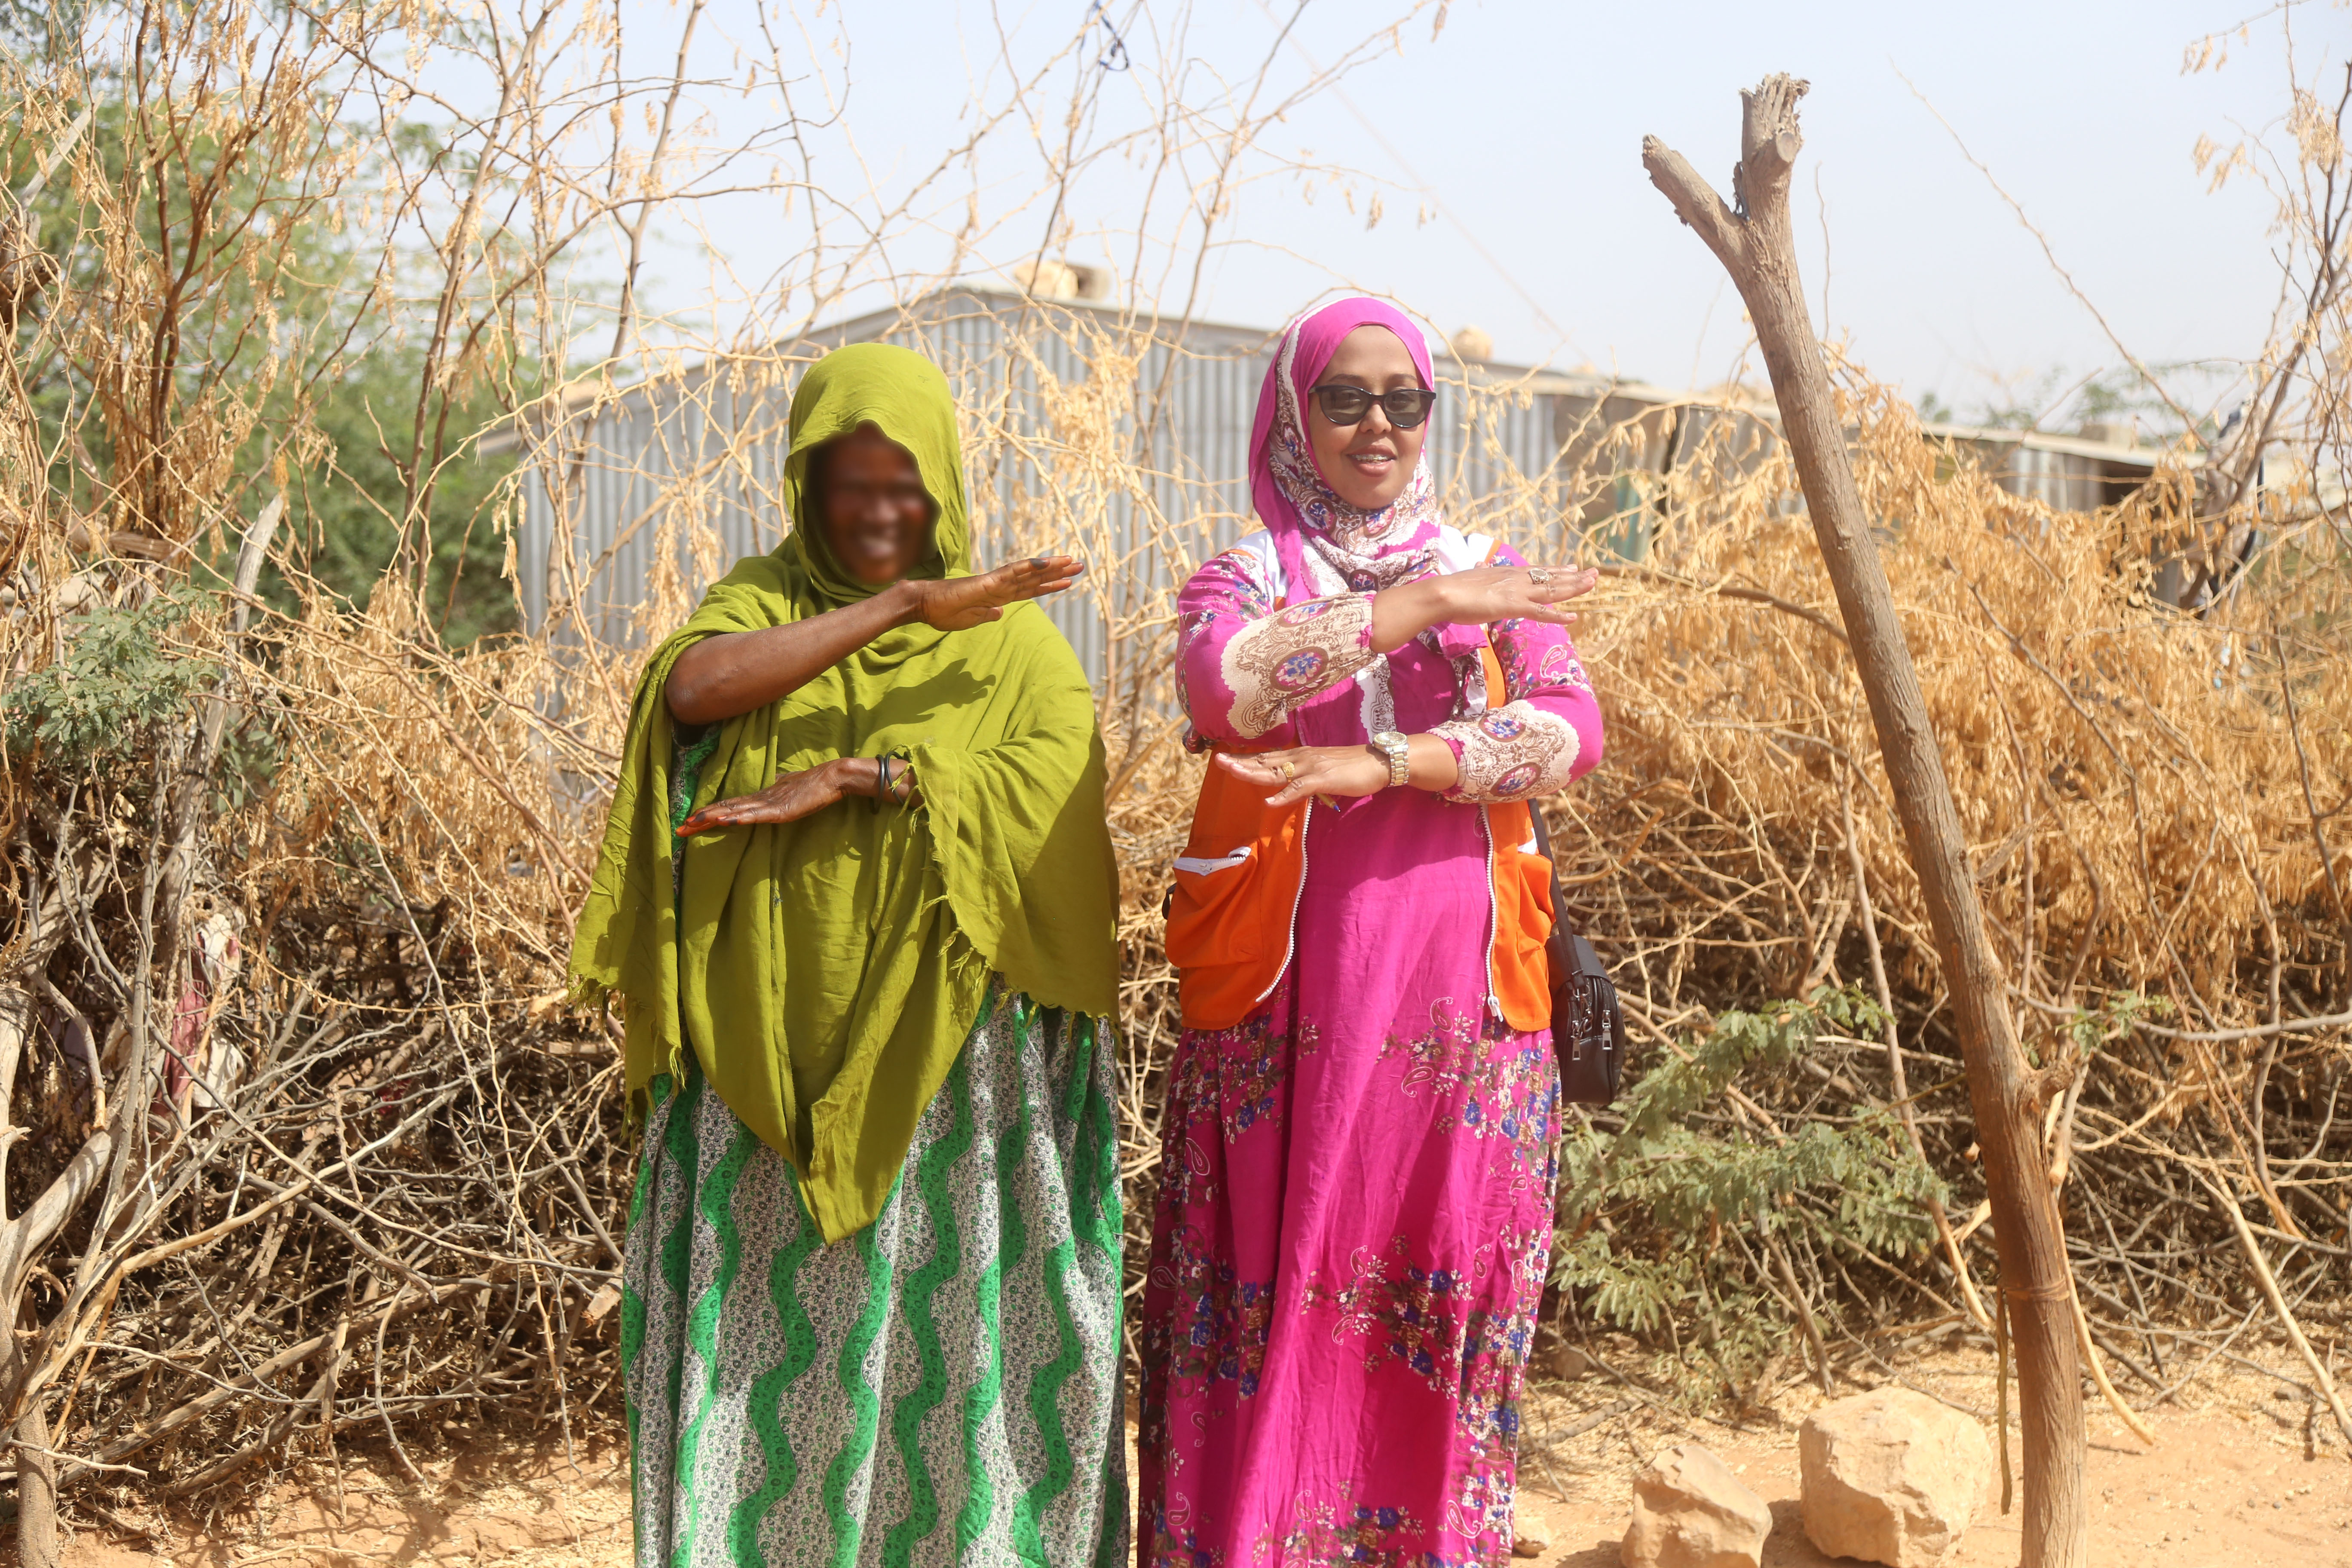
(1406, 406)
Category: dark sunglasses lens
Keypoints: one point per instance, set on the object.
(1343, 405)
(1408, 407)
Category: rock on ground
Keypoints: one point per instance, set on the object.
(1690, 1511)
(1891, 1476)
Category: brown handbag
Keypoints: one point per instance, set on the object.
(1588, 1028)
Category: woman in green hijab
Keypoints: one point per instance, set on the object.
(858, 900)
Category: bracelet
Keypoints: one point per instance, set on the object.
(885, 787)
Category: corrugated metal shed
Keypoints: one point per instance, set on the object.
(702, 450)
(672, 479)
(2065, 473)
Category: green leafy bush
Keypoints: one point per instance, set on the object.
(1675, 1215)
(119, 674)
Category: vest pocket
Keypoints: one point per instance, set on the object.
(1202, 865)
(1214, 919)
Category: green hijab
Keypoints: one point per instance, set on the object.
(827, 971)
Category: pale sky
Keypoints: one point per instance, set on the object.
(1525, 121)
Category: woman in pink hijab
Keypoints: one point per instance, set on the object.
(1355, 1202)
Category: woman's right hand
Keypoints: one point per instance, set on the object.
(789, 798)
(959, 604)
(1477, 597)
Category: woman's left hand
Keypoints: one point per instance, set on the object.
(789, 798)
(1301, 771)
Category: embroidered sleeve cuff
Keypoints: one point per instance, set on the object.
(1280, 660)
(1514, 753)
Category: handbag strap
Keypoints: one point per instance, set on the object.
(1583, 960)
(1543, 848)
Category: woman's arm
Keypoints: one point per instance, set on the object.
(1241, 666)
(1342, 772)
(1477, 598)
(1532, 745)
(1546, 732)
(805, 794)
(736, 672)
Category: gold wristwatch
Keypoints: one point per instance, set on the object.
(1399, 752)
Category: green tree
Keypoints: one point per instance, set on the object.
(300, 343)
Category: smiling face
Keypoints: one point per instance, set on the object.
(876, 515)
(1370, 462)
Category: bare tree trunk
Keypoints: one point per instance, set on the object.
(1757, 247)
(37, 1490)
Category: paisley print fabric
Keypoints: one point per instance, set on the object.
(1247, 668)
(1291, 654)
(941, 1388)
(1516, 751)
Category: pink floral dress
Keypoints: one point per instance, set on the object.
(1355, 1203)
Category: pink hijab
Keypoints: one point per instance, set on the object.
(1326, 545)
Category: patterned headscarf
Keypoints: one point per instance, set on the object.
(1326, 545)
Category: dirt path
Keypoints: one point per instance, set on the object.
(2229, 1485)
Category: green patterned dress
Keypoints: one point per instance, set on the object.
(943, 1387)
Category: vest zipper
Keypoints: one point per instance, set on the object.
(1290, 937)
(1494, 913)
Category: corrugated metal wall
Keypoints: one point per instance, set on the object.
(681, 476)
(2063, 481)
(699, 451)
(702, 451)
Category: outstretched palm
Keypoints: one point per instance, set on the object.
(959, 604)
(1490, 594)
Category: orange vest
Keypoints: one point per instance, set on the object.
(1232, 917)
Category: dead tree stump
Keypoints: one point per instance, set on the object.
(1756, 246)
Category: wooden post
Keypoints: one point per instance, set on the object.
(1756, 246)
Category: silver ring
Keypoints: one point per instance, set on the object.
(1538, 575)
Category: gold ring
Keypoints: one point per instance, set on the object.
(1538, 575)
(1287, 769)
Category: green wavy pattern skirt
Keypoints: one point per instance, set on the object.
(941, 1388)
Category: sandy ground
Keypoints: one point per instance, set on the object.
(2238, 1477)
(2216, 1491)
(2238, 1480)
(518, 1504)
